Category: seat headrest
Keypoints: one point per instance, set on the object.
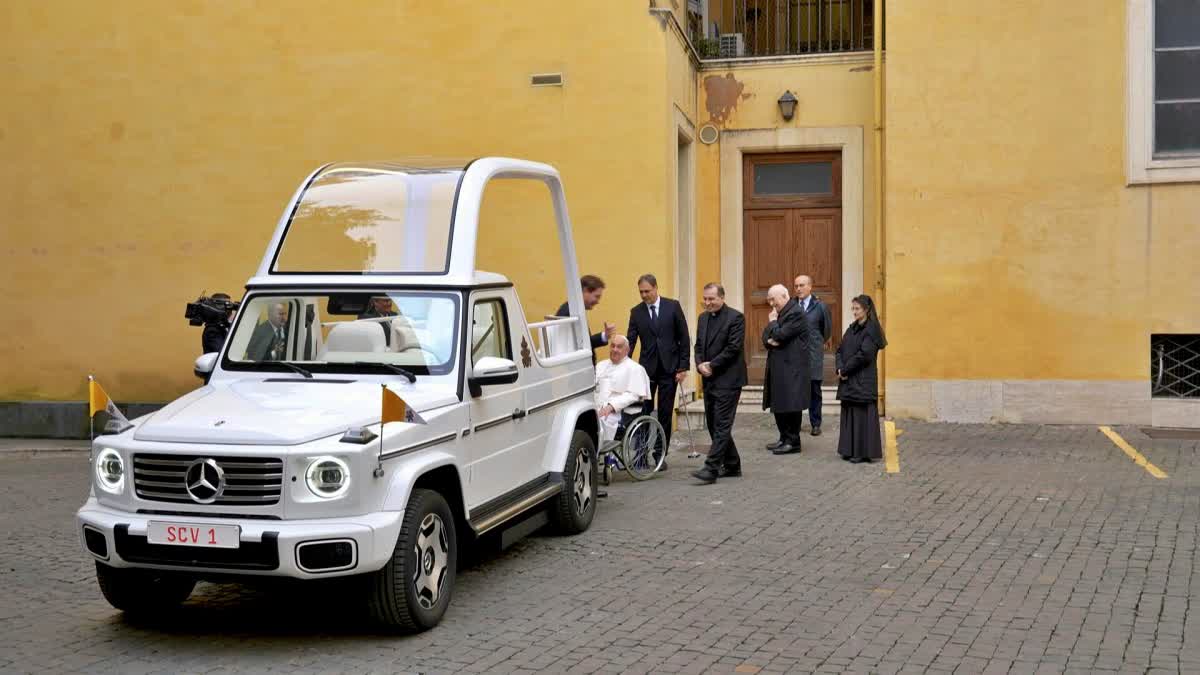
(356, 336)
(404, 336)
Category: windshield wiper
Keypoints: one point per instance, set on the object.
(292, 366)
(395, 369)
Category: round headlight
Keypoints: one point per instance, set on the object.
(110, 471)
(327, 477)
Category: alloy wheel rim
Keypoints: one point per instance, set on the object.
(583, 480)
(432, 550)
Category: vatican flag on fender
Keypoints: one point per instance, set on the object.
(395, 409)
(98, 400)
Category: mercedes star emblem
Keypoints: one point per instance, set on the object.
(205, 480)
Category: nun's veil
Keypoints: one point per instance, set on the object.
(873, 327)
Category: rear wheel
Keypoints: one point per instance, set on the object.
(572, 511)
(143, 592)
(643, 448)
(412, 591)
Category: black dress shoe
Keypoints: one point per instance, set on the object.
(776, 444)
(786, 449)
(854, 460)
(663, 467)
(816, 431)
(726, 472)
(705, 476)
(845, 458)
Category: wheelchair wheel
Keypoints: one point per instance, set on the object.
(643, 449)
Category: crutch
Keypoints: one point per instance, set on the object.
(687, 420)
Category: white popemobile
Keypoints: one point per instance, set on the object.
(279, 465)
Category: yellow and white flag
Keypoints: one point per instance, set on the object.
(395, 409)
(98, 400)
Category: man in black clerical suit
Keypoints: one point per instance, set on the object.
(720, 358)
(662, 328)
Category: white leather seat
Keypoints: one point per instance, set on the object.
(355, 336)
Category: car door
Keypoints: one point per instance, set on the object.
(498, 444)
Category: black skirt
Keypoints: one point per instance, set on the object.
(860, 431)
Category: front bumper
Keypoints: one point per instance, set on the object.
(268, 547)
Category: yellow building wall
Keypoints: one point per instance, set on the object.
(1015, 249)
(147, 150)
(746, 97)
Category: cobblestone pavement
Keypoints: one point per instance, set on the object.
(995, 549)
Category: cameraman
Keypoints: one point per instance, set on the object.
(213, 337)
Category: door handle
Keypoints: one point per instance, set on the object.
(518, 414)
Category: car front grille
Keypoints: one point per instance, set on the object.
(249, 481)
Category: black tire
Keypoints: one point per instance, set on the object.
(572, 510)
(143, 592)
(412, 591)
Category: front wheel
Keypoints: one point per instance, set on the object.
(412, 591)
(572, 511)
(143, 592)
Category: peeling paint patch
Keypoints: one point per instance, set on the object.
(862, 69)
(721, 96)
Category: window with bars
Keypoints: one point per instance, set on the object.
(1175, 366)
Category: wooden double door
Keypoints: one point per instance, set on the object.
(792, 225)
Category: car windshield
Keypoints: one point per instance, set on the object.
(348, 332)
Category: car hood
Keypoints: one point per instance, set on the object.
(276, 411)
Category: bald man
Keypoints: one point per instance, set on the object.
(269, 338)
(786, 384)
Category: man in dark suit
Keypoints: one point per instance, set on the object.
(659, 322)
(267, 342)
(593, 290)
(786, 384)
(820, 327)
(720, 340)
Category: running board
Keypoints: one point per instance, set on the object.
(520, 502)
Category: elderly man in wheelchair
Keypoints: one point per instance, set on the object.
(629, 440)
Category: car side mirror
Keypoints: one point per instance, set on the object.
(205, 366)
(491, 370)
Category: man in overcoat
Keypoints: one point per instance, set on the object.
(786, 385)
(820, 327)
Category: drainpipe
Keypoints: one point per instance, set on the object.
(880, 268)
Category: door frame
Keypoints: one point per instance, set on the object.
(736, 143)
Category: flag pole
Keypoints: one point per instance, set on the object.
(91, 416)
(378, 473)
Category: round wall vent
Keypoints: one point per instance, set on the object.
(709, 134)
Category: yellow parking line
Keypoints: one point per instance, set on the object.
(891, 454)
(1136, 456)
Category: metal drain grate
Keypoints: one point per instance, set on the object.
(1175, 366)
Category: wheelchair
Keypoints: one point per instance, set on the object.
(639, 447)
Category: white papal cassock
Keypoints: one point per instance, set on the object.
(619, 385)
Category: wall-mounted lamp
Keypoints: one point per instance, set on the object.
(787, 106)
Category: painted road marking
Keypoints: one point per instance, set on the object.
(891, 454)
(1136, 456)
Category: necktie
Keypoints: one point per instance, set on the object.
(653, 315)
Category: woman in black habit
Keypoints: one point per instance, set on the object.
(858, 388)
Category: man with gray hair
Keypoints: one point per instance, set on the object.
(820, 328)
(620, 383)
(786, 384)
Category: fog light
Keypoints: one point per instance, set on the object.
(317, 556)
(327, 477)
(96, 543)
(110, 471)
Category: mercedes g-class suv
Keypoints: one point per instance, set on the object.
(279, 465)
